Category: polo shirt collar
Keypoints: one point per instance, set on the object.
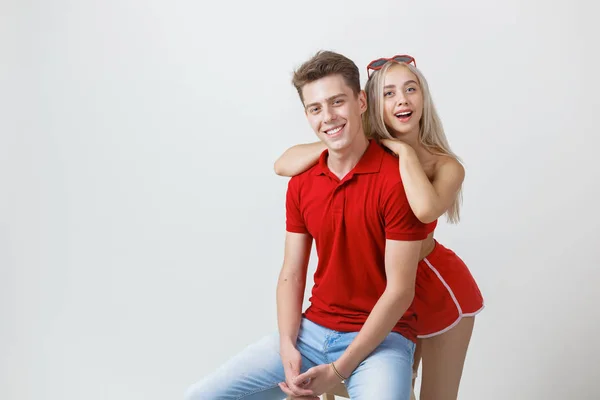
(369, 163)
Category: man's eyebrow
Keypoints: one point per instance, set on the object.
(327, 100)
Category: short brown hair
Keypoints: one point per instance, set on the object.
(323, 64)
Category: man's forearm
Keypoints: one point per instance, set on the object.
(290, 293)
(385, 315)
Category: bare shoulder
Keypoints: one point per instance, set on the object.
(449, 169)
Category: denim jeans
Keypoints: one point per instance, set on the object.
(255, 372)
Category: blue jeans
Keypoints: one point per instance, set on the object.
(256, 372)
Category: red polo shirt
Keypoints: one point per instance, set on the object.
(350, 221)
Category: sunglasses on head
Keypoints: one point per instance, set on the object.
(380, 62)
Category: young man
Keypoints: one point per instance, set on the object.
(358, 328)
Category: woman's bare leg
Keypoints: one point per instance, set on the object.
(443, 360)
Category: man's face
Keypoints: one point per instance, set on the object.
(334, 111)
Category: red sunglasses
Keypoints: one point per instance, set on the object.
(380, 62)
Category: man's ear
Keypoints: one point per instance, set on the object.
(362, 101)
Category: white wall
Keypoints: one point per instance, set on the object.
(141, 224)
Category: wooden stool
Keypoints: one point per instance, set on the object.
(339, 390)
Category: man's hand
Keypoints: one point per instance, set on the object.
(317, 380)
(292, 362)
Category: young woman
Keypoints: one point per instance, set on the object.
(401, 115)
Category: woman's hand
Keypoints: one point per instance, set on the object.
(396, 146)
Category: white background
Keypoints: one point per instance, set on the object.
(142, 226)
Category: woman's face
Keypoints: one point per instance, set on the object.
(403, 101)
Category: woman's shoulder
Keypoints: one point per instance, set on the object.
(447, 166)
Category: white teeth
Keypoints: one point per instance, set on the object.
(404, 114)
(334, 131)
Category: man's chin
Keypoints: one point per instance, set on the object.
(335, 145)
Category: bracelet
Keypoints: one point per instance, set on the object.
(337, 373)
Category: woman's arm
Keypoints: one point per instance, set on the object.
(428, 200)
(299, 158)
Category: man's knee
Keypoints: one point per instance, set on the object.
(209, 388)
(200, 391)
(194, 392)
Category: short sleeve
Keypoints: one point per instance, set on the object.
(293, 217)
(400, 222)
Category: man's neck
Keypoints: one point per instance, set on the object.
(342, 162)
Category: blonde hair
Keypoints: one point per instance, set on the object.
(431, 131)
